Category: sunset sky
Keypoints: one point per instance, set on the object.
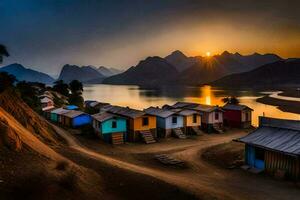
(47, 34)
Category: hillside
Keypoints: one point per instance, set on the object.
(26, 74)
(153, 71)
(85, 74)
(274, 74)
(12, 104)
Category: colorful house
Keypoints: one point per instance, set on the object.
(238, 116)
(110, 127)
(167, 122)
(55, 115)
(211, 116)
(274, 147)
(191, 121)
(75, 118)
(46, 102)
(140, 125)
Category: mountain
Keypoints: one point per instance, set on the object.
(108, 71)
(208, 69)
(283, 72)
(26, 74)
(153, 71)
(202, 72)
(85, 74)
(180, 61)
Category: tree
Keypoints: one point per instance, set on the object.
(29, 94)
(6, 80)
(61, 87)
(76, 87)
(231, 100)
(75, 97)
(3, 52)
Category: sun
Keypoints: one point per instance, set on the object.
(208, 54)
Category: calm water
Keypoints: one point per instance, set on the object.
(136, 97)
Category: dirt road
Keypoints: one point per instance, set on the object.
(202, 179)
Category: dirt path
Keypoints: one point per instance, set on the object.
(203, 179)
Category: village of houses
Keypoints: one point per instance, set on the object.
(273, 147)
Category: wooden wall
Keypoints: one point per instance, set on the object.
(277, 161)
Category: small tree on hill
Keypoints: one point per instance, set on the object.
(75, 97)
(231, 100)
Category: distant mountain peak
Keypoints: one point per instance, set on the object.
(178, 53)
(237, 54)
(226, 53)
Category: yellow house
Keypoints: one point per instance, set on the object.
(191, 120)
(140, 126)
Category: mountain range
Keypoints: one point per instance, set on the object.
(174, 69)
(189, 70)
(25, 74)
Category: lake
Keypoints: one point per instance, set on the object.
(140, 98)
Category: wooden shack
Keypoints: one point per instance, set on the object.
(110, 127)
(237, 115)
(75, 118)
(55, 115)
(274, 147)
(167, 122)
(140, 125)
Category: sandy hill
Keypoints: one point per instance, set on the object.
(12, 104)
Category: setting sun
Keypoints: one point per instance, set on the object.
(208, 54)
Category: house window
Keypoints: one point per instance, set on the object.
(259, 154)
(114, 124)
(174, 120)
(145, 121)
(194, 118)
(216, 116)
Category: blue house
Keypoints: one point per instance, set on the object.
(75, 118)
(111, 128)
(274, 146)
(167, 122)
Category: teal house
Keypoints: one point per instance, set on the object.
(56, 114)
(111, 128)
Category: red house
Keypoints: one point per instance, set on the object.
(238, 116)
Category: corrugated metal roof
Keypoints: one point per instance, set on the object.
(236, 107)
(159, 112)
(187, 112)
(60, 111)
(276, 134)
(73, 113)
(101, 117)
(196, 106)
(124, 111)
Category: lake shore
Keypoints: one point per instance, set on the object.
(283, 105)
(290, 93)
